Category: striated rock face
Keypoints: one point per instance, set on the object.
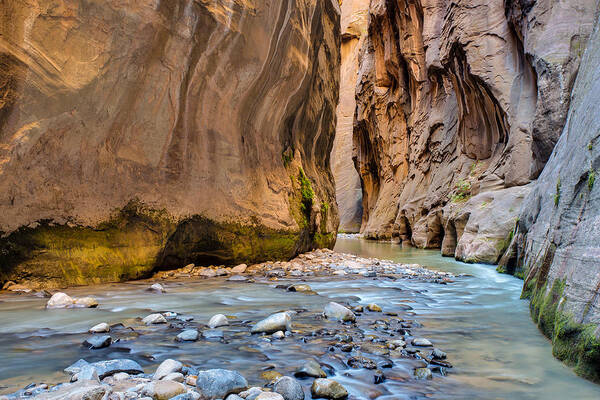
(138, 134)
(458, 98)
(347, 182)
(556, 247)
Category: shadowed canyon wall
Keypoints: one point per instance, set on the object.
(556, 245)
(137, 135)
(459, 104)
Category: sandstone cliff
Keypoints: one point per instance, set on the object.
(458, 98)
(354, 23)
(556, 246)
(137, 135)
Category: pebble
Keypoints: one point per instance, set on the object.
(213, 334)
(269, 396)
(157, 288)
(374, 307)
(217, 320)
(277, 322)
(438, 354)
(421, 342)
(167, 367)
(328, 389)
(310, 369)
(299, 288)
(188, 335)
(278, 335)
(100, 328)
(163, 390)
(423, 373)
(98, 342)
(154, 319)
(336, 311)
(239, 269)
(86, 302)
(218, 383)
(289, 388)
(174, 376)
(60, 300)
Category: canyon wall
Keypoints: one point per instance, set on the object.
(457, 99)
(137, 135)
(556, 247)
(354, 23)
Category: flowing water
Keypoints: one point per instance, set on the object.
(479, 320)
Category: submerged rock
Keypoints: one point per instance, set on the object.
(157, 288)
(338, 312)
(277, 322)
(328, 389)
(218, 383)
(107, 368)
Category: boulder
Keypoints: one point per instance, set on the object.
(289, 388)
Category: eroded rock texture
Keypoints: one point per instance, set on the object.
(348, 188)
(143, 134)
(556, 247)
(457, 98)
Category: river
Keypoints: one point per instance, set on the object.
(478, 320)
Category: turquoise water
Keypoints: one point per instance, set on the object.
(485, 328)
(479, 320)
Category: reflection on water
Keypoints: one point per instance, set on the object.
(478, 320)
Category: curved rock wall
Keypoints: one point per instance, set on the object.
(137, 135)
(458, 98)
(556, 246)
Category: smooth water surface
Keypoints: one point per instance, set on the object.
(479, 320)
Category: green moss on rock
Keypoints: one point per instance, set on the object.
(574, 343)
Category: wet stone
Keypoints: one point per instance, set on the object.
(188, 335)
(336, 311)
(310, 369)
(276, 322)
(154, 319)
(100, 328)
(421, 342)
(423, 373)
(289, 388)
(218, 383)
(328, 389)
(217, 321)
(98, 342)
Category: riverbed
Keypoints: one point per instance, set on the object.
(478, 320)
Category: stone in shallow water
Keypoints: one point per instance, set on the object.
(98, 342)
(217, 321)
(111, 367)
(174, 376)
(289, 388)
(157, 288)
(188, 335)
(238, 278)
(328, 389)
(311, 369)
(278, 335)
(423, 373)
(213, 334)
(60, 300)
(218, 383)
(86, 302)
(374, 307)
(154, 319)
(438, 354)
(100, 328)
(336, 311)
(276, 322)
(421, 342)
(300, 288)
(166, 367)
